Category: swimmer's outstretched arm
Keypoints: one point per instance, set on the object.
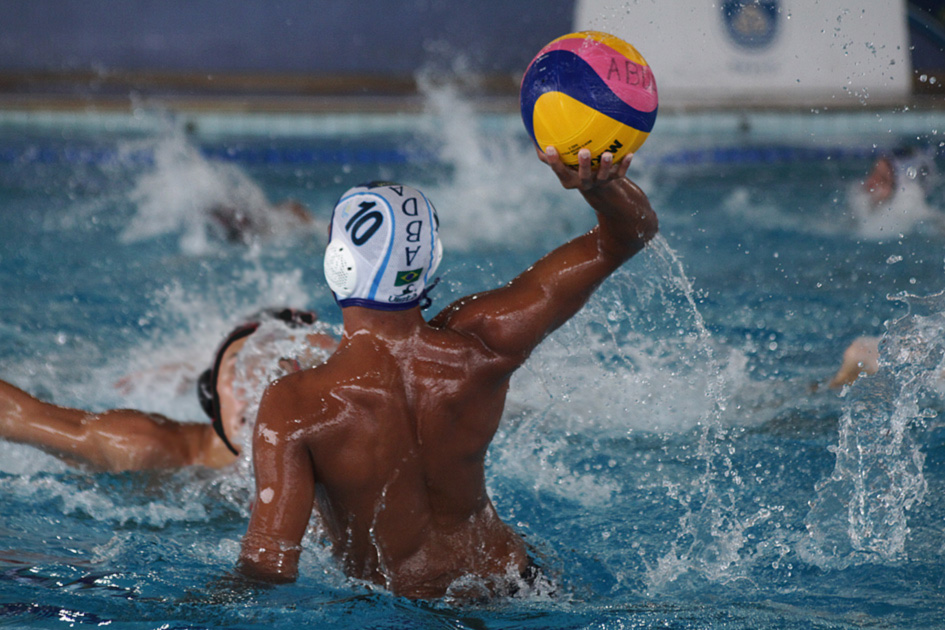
(121, 439)
(514, 319)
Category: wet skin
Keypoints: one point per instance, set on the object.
(387, 439)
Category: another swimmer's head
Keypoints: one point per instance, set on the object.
(215, 384)
(881, 181)
(383, 247)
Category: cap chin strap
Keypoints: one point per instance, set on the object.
(425, 300)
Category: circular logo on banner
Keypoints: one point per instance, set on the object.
(751, 24)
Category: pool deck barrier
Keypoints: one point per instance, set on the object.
(299, 106)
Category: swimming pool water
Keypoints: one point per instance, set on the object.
(666, 453)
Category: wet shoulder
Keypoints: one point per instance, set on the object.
(324, 398)
(481, 331)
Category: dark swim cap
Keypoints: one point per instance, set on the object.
(207, 393)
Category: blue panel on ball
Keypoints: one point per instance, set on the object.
(563, 71)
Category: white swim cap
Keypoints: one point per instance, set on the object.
(383, 247)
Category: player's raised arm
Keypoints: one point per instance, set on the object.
(514, 319)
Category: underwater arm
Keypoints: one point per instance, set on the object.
(285, 497)
(180, 372)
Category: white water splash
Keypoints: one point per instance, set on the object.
(101, 507)
(711, 541)
(637, 357)
(614, 370)
(860, 513)
(164, 379)
(205, 201)
(18, 459)
(906, 211)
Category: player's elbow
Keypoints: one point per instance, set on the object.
(620, 243)
(648, 226)
(640, 217)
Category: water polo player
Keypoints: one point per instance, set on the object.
(129, 439)
(387, 438)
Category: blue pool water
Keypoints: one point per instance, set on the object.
(666, 453)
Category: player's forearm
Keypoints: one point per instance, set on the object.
(13, 402)
(627, 221)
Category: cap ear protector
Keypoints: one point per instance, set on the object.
(207, 392)
(340, 271)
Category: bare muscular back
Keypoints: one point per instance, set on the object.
(398, 451)
(387, 439)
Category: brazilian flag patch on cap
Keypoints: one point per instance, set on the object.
(406, 277)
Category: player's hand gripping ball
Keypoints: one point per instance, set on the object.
(589, 90)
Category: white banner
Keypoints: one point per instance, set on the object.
(764, 52)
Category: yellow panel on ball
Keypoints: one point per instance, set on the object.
(569, 125)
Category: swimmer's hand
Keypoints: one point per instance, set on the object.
(624, 214)
(584, 178)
